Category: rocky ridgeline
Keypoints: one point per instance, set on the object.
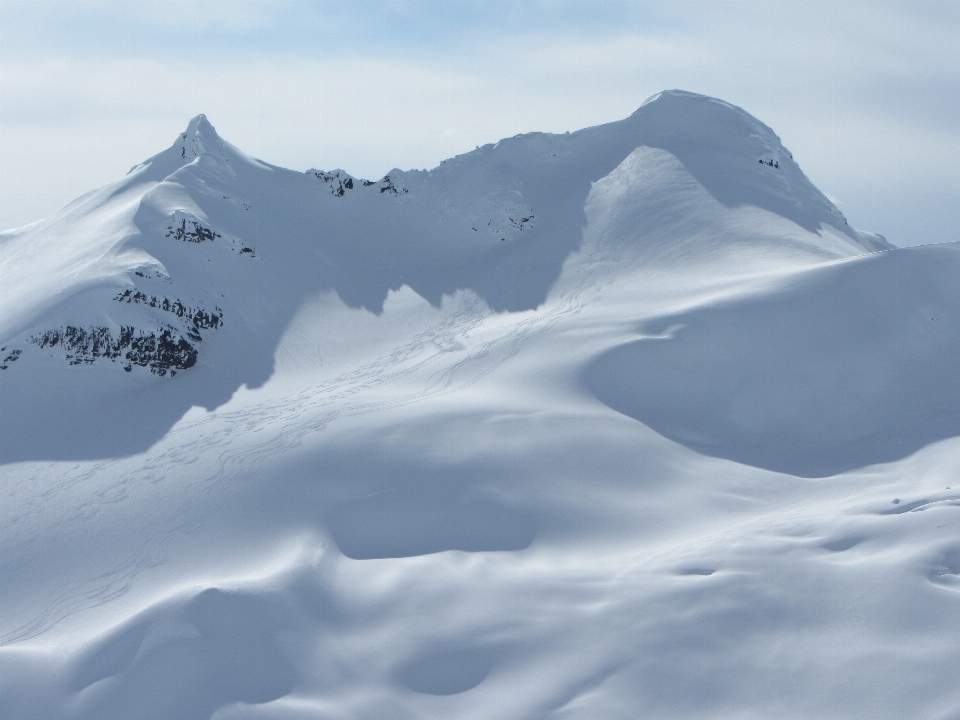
(340, 182)
(388, 185)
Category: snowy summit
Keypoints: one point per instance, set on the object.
(624, 422)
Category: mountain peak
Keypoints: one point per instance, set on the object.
(200, 125)
(696, 109)
(199, 136)
(717, 141)
(678, 94)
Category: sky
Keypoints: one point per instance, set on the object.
(866, 95)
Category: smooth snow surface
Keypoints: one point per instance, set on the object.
(620, 423)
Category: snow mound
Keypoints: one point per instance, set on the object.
(851, 364)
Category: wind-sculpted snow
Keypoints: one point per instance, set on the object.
(738, 160)
(190, 657)
(853, 364)
(521, 437)
(390, 525)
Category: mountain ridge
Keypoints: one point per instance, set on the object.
(131, 274)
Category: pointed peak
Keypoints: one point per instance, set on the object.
(201, 126)
(198, 142)
(199, 137)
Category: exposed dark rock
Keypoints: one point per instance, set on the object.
(162, 351)
(339, 182)
(12, 357)
(387, 185)
(198, 318)
(519, 224)
(197, 235)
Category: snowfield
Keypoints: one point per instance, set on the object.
(621, 423)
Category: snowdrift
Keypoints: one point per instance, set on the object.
(851, 364)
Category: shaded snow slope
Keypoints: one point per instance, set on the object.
(852, 363)
(551, 468)
(200, 258)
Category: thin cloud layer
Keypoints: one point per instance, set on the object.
(864, 94)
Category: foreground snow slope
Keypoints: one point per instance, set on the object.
(622, 423)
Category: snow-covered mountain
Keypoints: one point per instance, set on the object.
(626, 422)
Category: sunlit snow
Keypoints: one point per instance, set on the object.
(621, 423)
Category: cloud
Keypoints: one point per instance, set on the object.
(864, 94)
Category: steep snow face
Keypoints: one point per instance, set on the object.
(720, 144)
(524, 436)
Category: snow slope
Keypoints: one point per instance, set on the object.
(626, 422)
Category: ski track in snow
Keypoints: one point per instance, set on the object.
(297, 415)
